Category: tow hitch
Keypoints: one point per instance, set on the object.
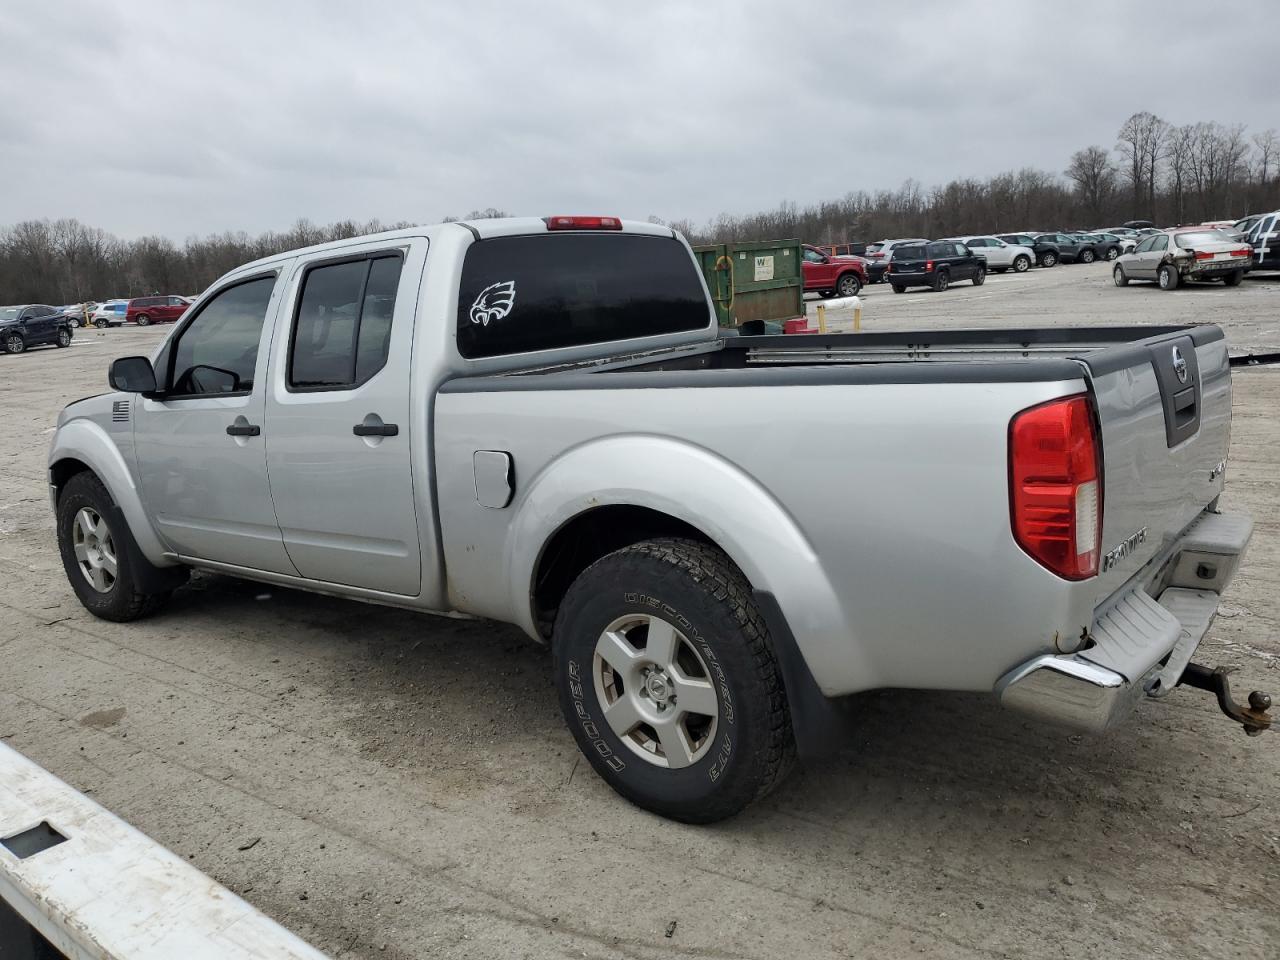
(1254, 718)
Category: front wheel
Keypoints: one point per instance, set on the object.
(143, 320)
(13, 343)
(1049, 260)
(1234, 279)
(1112, 253)
(980, 277)
(64, 338)
(1168, 278)
(96, 555)
(848, 285)
(668, 681)
(1119, 276)
(1087, 256)
(1021, 264)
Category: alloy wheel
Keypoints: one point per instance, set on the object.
(656, 691)
(94, 549)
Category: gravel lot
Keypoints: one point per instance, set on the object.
(413, 791)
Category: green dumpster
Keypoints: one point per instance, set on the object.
(756, 280)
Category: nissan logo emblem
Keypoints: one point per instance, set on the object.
(1180, 365)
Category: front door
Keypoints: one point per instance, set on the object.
(819, 272)
(339, 442)
(200, 445)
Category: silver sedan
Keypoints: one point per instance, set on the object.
(1176, 256)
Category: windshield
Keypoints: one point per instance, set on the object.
(1201, 236)
(9, 313)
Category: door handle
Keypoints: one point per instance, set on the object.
(376, 430)
(243, 430)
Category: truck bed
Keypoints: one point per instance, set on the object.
(1019, 355)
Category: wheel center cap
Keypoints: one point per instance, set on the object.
(657, 686)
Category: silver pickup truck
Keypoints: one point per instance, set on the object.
(537, 421)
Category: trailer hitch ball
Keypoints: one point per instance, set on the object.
(1255, 718)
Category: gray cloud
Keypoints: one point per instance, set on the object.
(150, 116)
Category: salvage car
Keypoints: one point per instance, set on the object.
(1000, 254)
(537, 421)
(33, 325)
(831, 276)
(935, 265)
(1178, 256)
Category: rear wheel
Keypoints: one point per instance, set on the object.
(825, 294)
(1050, 259)
(980, 277)
(941, 280)
(1118, 275)
(98, 563)
(1087, 256)
(1168, 278)
(13, 343)
(1021, 263)
(848, 285)
(899, 288)
(100, 324)
(143, 320)
(64, 338)
(668, 681)
(1113, 252)
(1234, 278)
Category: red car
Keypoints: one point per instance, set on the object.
(832, 276)
(148, 310)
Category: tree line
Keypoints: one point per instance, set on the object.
(1154, 171)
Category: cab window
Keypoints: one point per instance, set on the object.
(217, 352)
(342, 330)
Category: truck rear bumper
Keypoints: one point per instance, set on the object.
(1138, 646)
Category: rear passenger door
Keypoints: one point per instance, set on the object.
(338, 418)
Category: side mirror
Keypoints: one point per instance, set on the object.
(133, 375)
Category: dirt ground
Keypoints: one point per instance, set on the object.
(414, 793)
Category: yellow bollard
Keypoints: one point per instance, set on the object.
(857, 317)
(822, 318)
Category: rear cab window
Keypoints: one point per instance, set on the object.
(543, 292)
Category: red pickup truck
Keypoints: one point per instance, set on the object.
(832, 276)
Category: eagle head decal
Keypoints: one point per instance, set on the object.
(494, 302)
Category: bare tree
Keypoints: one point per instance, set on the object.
(1268, 146)
(1095, 178)
(1141, 143)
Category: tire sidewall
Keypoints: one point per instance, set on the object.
(1049, 260)
(14, 344)
(623, 584)
(89, 492)
(1021, 264)
(850, 280)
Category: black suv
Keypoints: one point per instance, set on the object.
(28, 325)
(1047, 254)
(935, 265)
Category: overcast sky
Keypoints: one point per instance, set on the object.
(150, 116)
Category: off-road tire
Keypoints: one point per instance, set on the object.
(1021, 263)
(124, 601)
(697, 589)
(1167, 277)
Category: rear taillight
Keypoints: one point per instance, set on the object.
(1201, 255)
(583, 223)
(1055, 486)
(1243, 252)
(928, 265)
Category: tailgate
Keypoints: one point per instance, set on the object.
(1164, 409)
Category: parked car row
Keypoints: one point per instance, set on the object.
(140, 310)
